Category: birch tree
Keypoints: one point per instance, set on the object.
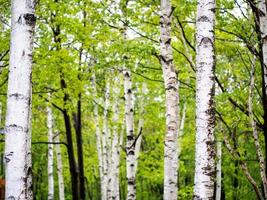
(18, 124)
(50, 154)
(255, 132)
(115, 147)
(59, 169)
(205, 114)
(219, 171)
(130, 142)
(172, 102)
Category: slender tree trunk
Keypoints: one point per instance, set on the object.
(205, 114)
(72, 162)
(59, 169)
(130, 142)
(18, 118)
(255, 132)
(263, 52)
(79, 139)
(115, 148)
(140, 126)
(219, 171)
(98, 141)
(106, 142)
(50, 154)
(181, 133)
(172, 102)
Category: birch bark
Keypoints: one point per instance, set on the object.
(59, 169)
(140, 126)
(205, 115)
(50, 154)
(263, 29)
(98, 141)
(130, 146)
(18, 136)
(106, 142)
(115, 149)
(181, 133)
(172, 102)
(255, 133)
(219, 171)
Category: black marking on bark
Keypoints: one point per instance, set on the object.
(130, 152)
(206, 40)
(23, 53)
(196, 197)
(19, 20)
(130, 137)
(7, 159)
(16, 128)
(19, 96)
(166, 61)
(30, 19)
(127, 74)
(129, 91)
(131, 181)
(203, 19)
(213, 10)
(171, 87)
(11, 198)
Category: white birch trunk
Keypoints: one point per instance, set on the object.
(98, 141)
(50, 154)
(140, 126)
(59, 169)
(130, 147)
(172, 102)
(18, 137)
(263, 29)
(115, 149)
(255, 132)
(219, 171)
(205, 114)
(105, 143)
(181, 133)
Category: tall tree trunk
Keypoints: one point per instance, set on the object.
(172, 102)
(78, 131)
(130, 142)
(205, 114)
(263, 52)
(50, 154)
(18, 118)
(140, 126)
(255, 132)
(106, 142)
(115, 147)
(98, 140)
(260, 21)
(219, 171)
(59, 169)
(72, 162)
